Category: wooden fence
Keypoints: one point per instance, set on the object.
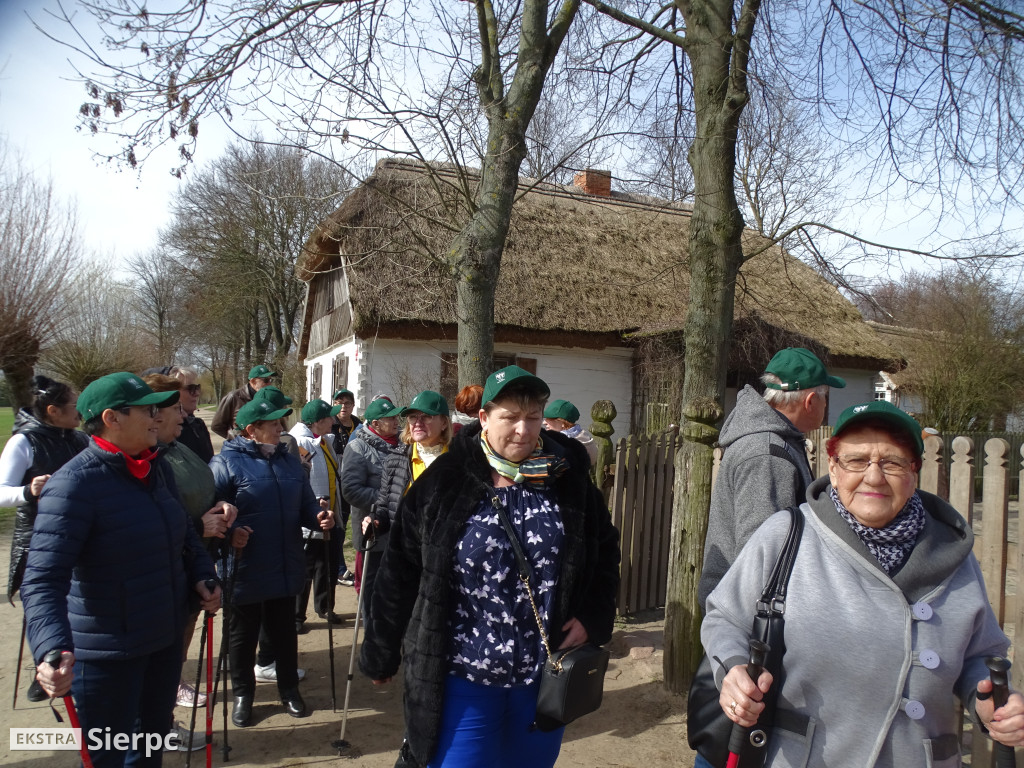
(641, 504)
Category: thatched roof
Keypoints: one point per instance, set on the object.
(573, 263)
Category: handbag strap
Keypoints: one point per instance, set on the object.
(773, 596)
(525, 571)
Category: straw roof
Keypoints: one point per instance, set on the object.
(573, 263)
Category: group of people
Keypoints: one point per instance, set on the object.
(121, 524)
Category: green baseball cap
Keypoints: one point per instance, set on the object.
(119, 390)
(499, 380)
(273, 395)
(315, 410)
(562, 409)
(261, 372)
(259, 410)
(883, 411)
(381, 408)
(429, 402)
(341, 392)
(799, 368)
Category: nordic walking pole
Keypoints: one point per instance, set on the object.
(740, 736)
(209, 690)
(53, 659)
(999, 674)
(369, 538)
(330, 606)
(210, 585)
(225, 748)
(21, 655)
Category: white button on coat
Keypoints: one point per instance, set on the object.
(922, 611)
(914, 709)
(929, 659)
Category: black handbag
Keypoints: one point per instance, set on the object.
(572, 680)
(708, 728)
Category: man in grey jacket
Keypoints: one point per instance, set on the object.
(764, 468)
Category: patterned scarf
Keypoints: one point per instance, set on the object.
(892, 544)
(540, 469)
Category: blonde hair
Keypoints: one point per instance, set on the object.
(446, 431)
(158, 382)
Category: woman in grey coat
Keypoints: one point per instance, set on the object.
(361, 470)
(888, 623)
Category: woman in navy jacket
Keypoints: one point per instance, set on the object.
(257, 474)
(112, 563)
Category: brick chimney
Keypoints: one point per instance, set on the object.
(594, 182)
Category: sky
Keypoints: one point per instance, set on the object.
(122, 210)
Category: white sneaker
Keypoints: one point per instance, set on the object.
(187, 694)
(268, 674)
(184, 740)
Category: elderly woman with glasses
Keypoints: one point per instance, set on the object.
(888, 624)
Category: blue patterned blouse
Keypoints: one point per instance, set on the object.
(494, 634)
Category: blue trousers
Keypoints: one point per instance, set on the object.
(701, 762)
(127, 696)
(486, 726)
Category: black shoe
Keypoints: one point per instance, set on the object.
(301, 628)
(36, 692)
(331, 618)
(241, 715)
(293, 703)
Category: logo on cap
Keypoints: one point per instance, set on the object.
(860, 408)
(499, 377)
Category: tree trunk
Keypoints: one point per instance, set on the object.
(717, 57)
(18, 371)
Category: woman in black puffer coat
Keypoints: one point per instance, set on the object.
(447, 602)
(45, 439)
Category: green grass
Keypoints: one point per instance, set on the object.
(6, 424)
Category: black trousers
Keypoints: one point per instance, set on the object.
(321, 578)
(278, 621)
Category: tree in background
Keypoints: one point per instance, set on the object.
(434, 80)
(40, 250)
(235, 236)
(102, 333)
(161, 298)
(964, 344)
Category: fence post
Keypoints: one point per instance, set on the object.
(603, 413)
(961, 478)
(995, 496)
(1018, 599)
(933, 470)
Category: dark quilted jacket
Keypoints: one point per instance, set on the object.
(112, 561)
(274, 498)
(411, 596)
(52, 448)
(361, 467)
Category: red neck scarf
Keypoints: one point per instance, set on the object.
(139, 468)
(393, 440)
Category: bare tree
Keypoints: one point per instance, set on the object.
(39, 249)
(236, 233)
(930, 92)
(964, 328)
(431, 80)
(101, 335)
(160, 287)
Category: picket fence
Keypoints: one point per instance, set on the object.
(641, 506)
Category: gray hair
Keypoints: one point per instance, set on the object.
(778, 398)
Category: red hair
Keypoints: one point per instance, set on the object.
(468, 399)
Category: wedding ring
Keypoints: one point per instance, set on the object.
(732, 707)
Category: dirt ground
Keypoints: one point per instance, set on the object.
(639, 723)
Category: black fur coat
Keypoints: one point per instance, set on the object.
(411, 599)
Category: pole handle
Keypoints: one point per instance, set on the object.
(999, 674)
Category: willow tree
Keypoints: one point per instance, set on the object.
(929, 95)
(432, 80)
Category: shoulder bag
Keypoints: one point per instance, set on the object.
(572, 680)
(708, 728)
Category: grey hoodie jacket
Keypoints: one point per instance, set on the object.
(873, 664)
(764, 469)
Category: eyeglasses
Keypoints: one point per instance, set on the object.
(859, 464)
(152, 410)
(194, 389)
